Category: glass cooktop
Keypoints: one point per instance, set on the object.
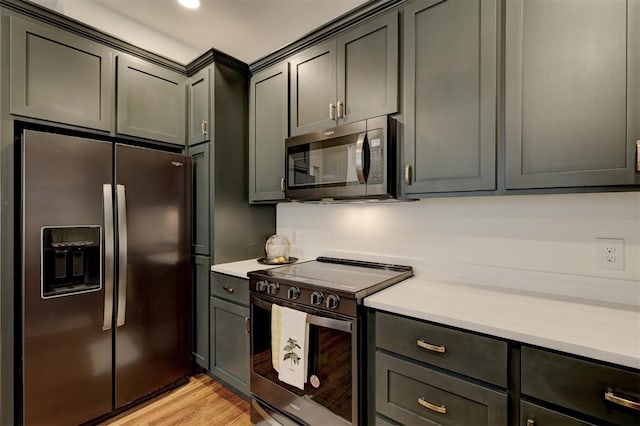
(348, 276)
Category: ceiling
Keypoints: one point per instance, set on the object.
(245, 29)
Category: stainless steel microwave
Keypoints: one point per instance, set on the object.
(351, 161)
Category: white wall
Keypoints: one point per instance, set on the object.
(533, 242)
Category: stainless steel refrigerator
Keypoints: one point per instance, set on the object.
(106, 290)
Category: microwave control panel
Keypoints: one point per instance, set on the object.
(377, 157)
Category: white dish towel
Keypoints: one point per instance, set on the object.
(293, 346)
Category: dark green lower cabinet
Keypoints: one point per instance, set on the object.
(230, 343)
(381, 421)
(534, 415)
(201, 271)
(413, 394)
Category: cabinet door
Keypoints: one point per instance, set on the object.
(572, 95)
(450, 95)
(368, 69)
(230, 343)
(199, 107)
(151, 101)
(200, 198)
(268, 128)
(200, 278)
(60, 77)
(313, 89)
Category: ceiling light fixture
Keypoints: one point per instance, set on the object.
(190, 4)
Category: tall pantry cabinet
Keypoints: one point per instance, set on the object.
(226, 227)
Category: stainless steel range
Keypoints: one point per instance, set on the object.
(330, 291)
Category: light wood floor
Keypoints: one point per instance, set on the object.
(202, 401)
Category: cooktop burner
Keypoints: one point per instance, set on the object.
(327, 283)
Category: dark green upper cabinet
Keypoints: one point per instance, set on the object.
(572, 92)
(268, 128)
(60, 77)
(199, 107)
(151, 101)
(450, 74)
(313, 89)
(368, 69)
(349, 78)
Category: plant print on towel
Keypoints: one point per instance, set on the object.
(290, 353)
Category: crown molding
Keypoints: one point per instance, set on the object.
(74, 26)
(331, 28)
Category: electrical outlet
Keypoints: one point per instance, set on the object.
(610, 253)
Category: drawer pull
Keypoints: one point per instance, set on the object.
(228, 289)
(430, 347)
(247, 325)
(433, 407)
(531, 422)
(610, 396)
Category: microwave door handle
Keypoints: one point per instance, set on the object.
(360, 160)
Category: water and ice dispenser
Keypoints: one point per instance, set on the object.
(71, 260)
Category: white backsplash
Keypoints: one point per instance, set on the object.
(540, 243)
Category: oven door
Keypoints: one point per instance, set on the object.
(330, 396)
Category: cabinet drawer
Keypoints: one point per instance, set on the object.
(580, 385)
(534, 415)
(475, 356)
(412, 394)
(230, 288)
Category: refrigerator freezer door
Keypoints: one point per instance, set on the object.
(67, 358)
(152, 336)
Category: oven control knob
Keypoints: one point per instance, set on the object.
(317, 298)
(261, 286)
(333, 301)
(273, 288)
(293, 293)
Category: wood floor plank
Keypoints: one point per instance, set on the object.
(202, 401)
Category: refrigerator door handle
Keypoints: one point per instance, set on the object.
(122, 254)
(109, 252)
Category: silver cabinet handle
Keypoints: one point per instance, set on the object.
(433, 407)
(531, 422)
(228, 289)
(332, 111)
(282, 184)
(428, 346)
(340, 109)
(360, 153)
(247, 325)
(407, 174)
(109, 253)
(122, 257)
(203, 127)
(612, 397)
(637, 156)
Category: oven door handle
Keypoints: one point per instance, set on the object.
(326, 322)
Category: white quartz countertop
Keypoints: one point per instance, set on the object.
(601, 331)
(604, 331)
(241, 268)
